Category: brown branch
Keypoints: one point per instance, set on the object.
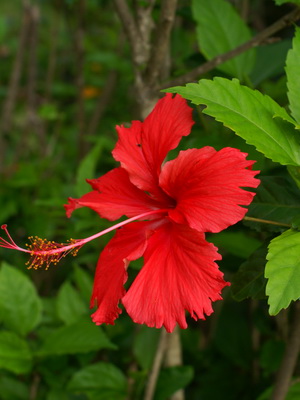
(103, 102)
(266, 221)
(285, 372)
(161, 43)
(193, 75)
(160, 351)
(11, 97)
(131, 30)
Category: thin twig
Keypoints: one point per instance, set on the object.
(266, 221)
(285, 372)
(131, 30)
(162, 39)
(193, 75)
(174, 358)
(159, 355)
(12, 92)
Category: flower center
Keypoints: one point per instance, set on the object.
(44, 252)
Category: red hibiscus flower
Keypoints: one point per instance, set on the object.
(199, 191)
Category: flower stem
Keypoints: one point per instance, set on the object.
(265, 221)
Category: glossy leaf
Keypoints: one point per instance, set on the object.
(283, 271)
(80, 337)
(220, 29)
(249, 281)
(250, 114)
(292, 72)
(277, 199)
(19, 303)
(15, 355)
(101, 381)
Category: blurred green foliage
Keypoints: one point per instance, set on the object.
(75, 84)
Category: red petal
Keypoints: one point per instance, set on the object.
(179, 274)
(142, 148)
(206, 185)
(113, 196)
(128, 244)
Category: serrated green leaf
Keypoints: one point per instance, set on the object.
(250, 114)
(15, 355)
(283, 271)
(277, 199)
(172, 379)
(20, 305)
(249, 281)
(69, 305)
(220, 29)
(292, 72)
(80, 337)
(145, 343)
(101, 381)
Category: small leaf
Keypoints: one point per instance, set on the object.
(277, 199)
(283, 271)
(220, 29)
(13, 389)
(236, 243)
(172, 379)
(144, 346)
(19, 303)
(80, 337)
(84, 282)
(101, 381)
(250, 114)
(292, 72)
(249, 281)
(70, 307)
(15, 355)
(87, 168)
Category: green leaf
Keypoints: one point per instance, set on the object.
(264, 69)
(220, 29)
(15, 355)
(236, 243)
(80, 337)
(249, 281)
(144, 346)
(13, 389)
(70, 307)
(19, 303)
(283, 271)
(87, 168)
(292, 72)
(292, 394)
(250, 114)
(277, 199)
(84, 282)
(172, 379)
(101, 381)
(271, 356)
(280, 2)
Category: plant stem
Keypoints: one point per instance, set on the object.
(285, 372)
(265, 221)
(159, 355)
